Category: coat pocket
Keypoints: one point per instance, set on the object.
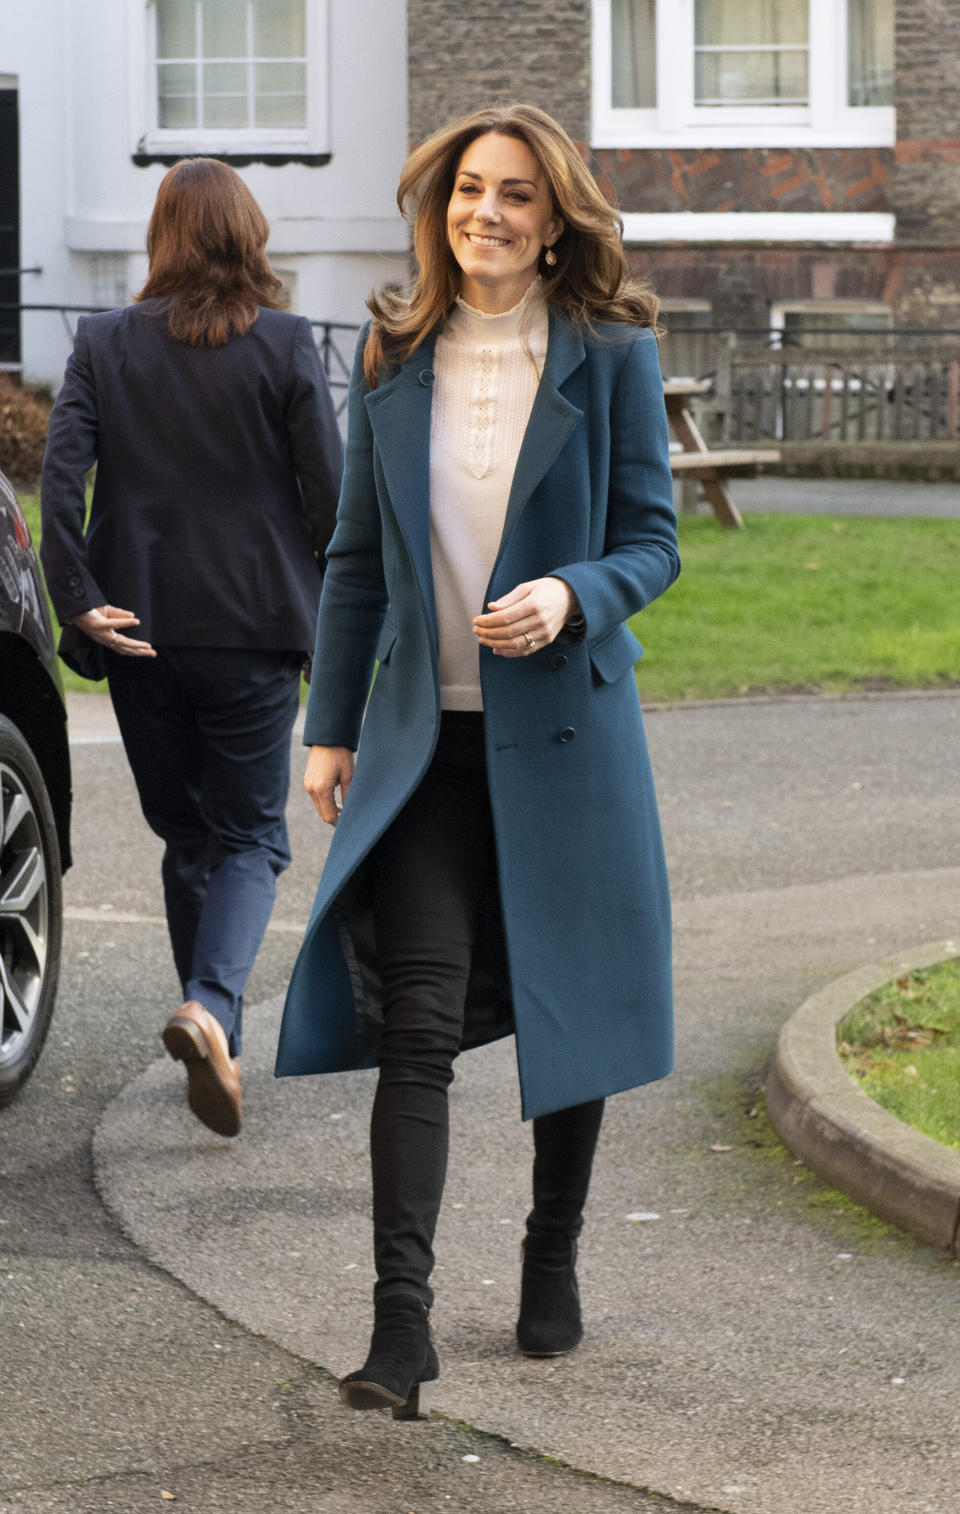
(386, 642)
(615, 654)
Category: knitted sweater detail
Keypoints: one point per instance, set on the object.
(487, 369)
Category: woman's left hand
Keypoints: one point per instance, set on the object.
(530, 616)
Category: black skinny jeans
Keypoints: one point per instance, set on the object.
(429, 874)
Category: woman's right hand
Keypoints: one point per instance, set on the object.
(328, 768)
(105, 624)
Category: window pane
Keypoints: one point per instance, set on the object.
(280, 94)
(177, 98)
(634, 53)
(870, 38)
(751, 23)
(225, 110)
(279, 29)
(828, 330)
(225, 94)
(758, 78)
(273, 110)
(224, 79)
(224, 28)
(176, 28)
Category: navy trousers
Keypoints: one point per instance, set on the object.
(207, 734)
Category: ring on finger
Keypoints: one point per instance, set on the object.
(531, 643)
(113, 635)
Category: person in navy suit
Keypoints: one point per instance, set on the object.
(497, 864)
(194, 587)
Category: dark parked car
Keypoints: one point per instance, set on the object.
(34, 803)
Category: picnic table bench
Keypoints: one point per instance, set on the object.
(696, 461)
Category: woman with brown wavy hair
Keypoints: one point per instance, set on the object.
(206, 244)
(496, 866)
(206, 410)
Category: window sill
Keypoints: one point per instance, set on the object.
(612, 133)
(858, 227)
(848, 129)
(274, 157)
(237, 147)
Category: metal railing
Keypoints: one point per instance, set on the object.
(335, 341)
(830, 386)
(336, 353)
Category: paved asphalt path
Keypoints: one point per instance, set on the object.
(173, 1307)
(845, 496)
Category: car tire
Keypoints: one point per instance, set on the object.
(31, 911)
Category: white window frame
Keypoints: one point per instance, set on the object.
(780, 308)
(681, 304)
(153, 139)
(828, 121)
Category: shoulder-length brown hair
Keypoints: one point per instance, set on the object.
(206, 243)
(587, 283)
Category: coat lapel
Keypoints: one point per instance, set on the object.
(551, 420)
(399, 412)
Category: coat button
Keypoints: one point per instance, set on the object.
(559, 661)
(568, 733)
(426, 377)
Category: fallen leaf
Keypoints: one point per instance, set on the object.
(170, 1497)
(752, 1113)
(718, 1146)
(911, 1071)
(812, 567)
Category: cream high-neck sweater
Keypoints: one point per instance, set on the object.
(487, 368)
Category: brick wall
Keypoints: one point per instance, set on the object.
(746, 179)
(925, 188)
(467, 53)
(918, 179)
(921, 285)
(463, 54)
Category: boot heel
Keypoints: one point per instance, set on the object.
(419, 1404)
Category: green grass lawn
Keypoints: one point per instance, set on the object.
(902, 1046)
(794, 603)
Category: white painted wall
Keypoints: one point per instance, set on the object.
(82, 78)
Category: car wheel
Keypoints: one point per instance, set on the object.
(31, 911)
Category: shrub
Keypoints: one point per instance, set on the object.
(24, 416)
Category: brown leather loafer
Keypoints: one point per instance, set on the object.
(194, 1037)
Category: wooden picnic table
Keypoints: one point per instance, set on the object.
(697, 461)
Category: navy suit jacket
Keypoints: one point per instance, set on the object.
(218, 471)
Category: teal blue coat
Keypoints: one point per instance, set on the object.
(574, 954)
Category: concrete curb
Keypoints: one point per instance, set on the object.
(847, 1138)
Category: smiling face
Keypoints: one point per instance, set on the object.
(499, 218)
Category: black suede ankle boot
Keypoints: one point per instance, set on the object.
(549, 1322)
(401, 1360)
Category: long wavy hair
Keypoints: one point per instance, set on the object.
(206, 242)
(588, 282)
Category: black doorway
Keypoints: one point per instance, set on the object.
(10, 352)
